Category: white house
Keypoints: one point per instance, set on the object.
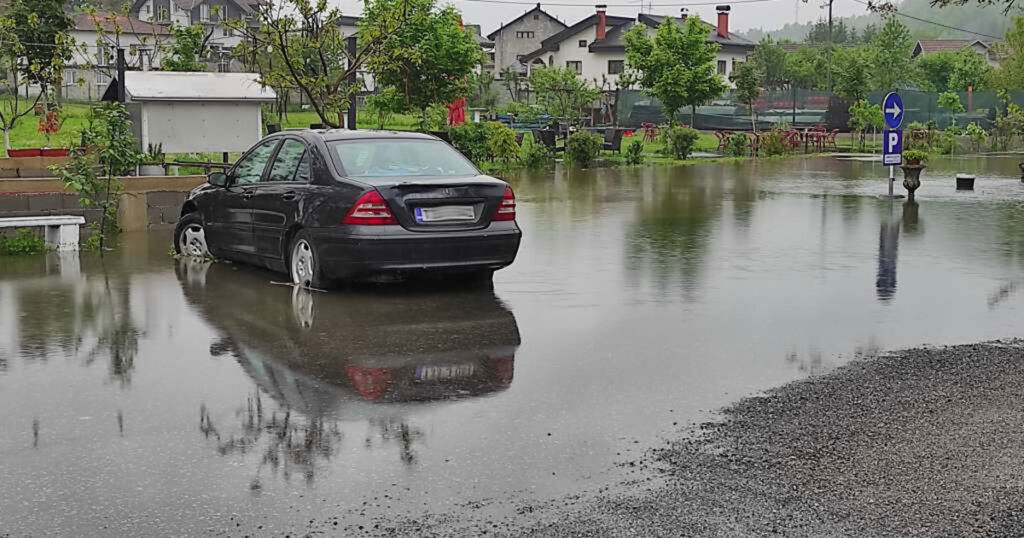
(595, 46)
(210, 13)
(520, 36)
(97, 38)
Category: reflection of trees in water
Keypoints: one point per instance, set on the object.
(90, 319)
(288, 442)
(814, 361)
(671, 236)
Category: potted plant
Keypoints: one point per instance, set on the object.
(914, 160)
(152, 161)
(49, 124)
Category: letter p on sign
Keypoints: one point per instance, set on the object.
(892, 150)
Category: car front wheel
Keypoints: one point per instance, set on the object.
(303, 264)
(190, 237)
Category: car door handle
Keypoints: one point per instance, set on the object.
(289, 196)
(247, 195)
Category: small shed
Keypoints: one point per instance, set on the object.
(194, 112)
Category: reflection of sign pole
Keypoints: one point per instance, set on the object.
(892, 141)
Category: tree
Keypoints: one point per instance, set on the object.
(14, 105)
(514, 82)
(868, 32)
(188, 48)
(951, 101)
(806, 68)
(677, 67)
(42, 28)
(970, 70)
(819, 33)
(853, 70)
(1010, 73)
(748, 89)
(864, 116)
(561, 92)
(429, 59)
(934, 70)
(891, 49)
(769, 60)
(297, 46)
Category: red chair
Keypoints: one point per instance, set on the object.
(829, 141)
(650, 132)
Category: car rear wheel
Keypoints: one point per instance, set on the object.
(303, 264)
(190, 237)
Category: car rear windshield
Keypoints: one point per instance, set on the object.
(397, 157)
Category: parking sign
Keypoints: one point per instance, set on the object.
(892, 146)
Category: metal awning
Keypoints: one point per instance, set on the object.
(176, 86)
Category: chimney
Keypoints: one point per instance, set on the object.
(683, 13)
(602, 22)
(723, 21)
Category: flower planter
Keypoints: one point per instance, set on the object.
(25, 152)
(151, 169)
(55, 152)
(964, 182)
(912, 178)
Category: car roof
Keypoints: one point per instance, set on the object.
(331, 135)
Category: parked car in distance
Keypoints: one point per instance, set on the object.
(325, 205)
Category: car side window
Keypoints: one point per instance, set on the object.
(303, 174)
(250, 169)
(288, 161)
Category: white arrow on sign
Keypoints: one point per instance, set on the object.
(894, 110)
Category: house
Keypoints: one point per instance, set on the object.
(930, 46)
(210, 13)
(595, 46)
(486, 45)
(97, 37)
(522, 35)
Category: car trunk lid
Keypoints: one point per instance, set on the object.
(443, 203)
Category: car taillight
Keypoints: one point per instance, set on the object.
(507, 208)
(370, 210)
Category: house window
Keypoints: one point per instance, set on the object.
(104, 55)
(722, 64)
(102, 78)
(224, 64)
(204, 12)
(163, 14)
(226, 31)
(536, 17)
(616, 67)
(524, 34)
(146, 9)
(576, 67)
(583, 43)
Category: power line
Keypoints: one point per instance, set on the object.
(926, 21)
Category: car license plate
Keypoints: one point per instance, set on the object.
(445, 213)
(440, 373)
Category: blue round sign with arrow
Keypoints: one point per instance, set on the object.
(892, 109)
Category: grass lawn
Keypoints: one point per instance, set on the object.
(26, 131)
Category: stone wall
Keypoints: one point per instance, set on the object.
(148, 203)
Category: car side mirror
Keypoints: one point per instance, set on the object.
(217, 179)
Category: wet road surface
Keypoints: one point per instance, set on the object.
(145, 395)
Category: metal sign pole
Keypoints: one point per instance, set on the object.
(892, 179)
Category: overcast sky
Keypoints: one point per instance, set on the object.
(768, 15)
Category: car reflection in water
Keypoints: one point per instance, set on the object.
(330, 359)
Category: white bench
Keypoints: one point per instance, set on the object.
(61, 230)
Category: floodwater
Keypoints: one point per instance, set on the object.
(143, 395)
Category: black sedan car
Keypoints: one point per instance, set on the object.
(325, 205)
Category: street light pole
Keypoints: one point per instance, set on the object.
(830, 2)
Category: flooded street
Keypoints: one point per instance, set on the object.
(144, 395)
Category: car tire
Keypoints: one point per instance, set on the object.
(190, 237)
(304, 263)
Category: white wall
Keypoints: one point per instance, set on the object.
(196, 127)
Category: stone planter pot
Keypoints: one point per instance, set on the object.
(912, 178)
(151, 169)
(964, 182)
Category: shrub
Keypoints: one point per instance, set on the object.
(383, 106)
(680, 141)
(23, 242)
(536, 156)
(635, 152)
(471, 140)
(501, 144)
(523, 112)
(583, 147)
(736, 146)
(977, 135)
(773, 143)
(915, 155)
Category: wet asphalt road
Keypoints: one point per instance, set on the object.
(145, 396)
